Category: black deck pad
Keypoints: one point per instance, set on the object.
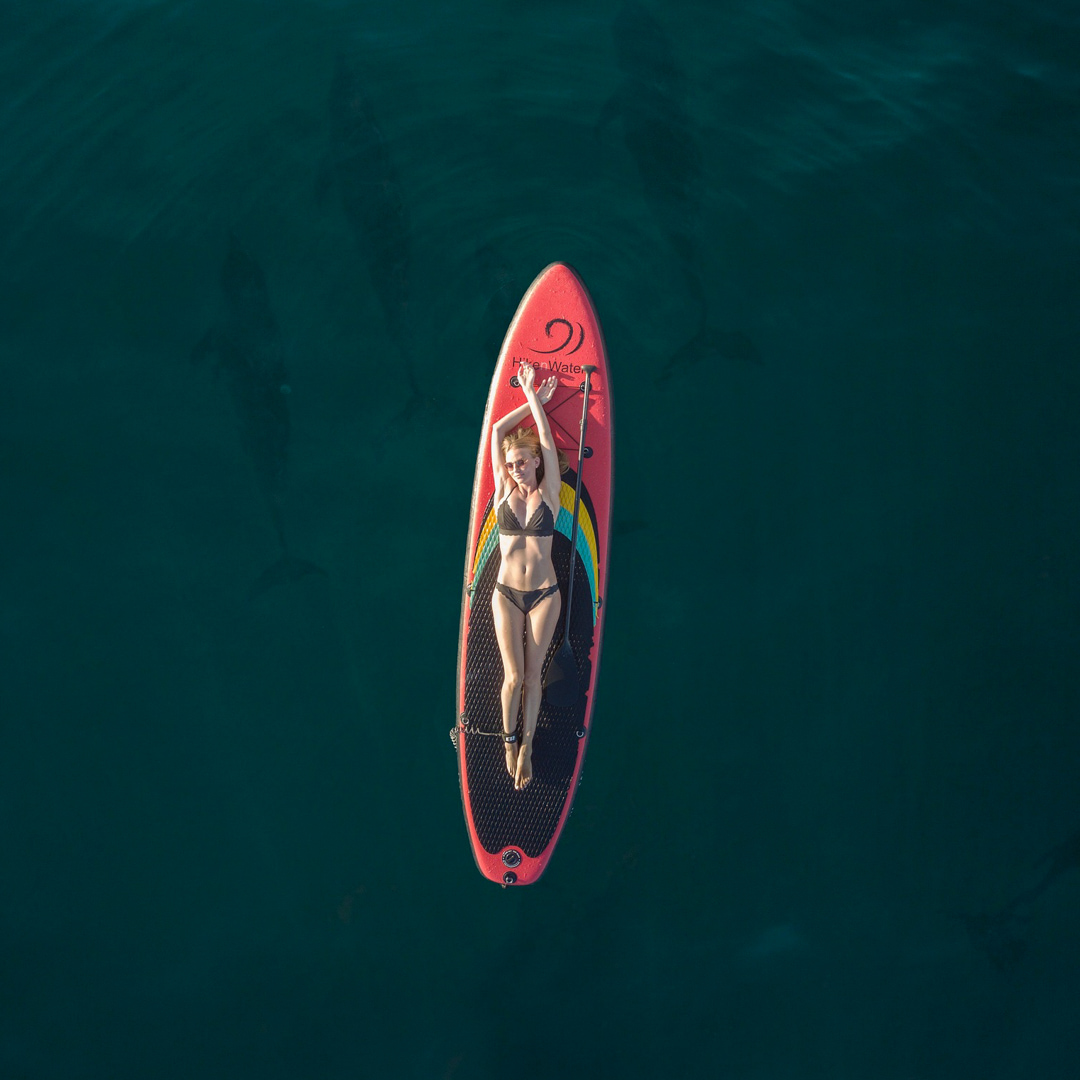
(503, 816)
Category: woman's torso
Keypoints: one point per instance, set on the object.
(526, 555)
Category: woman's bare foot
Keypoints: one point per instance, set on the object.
(511, 758)
(524, 766)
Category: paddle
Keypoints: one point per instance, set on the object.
(561, 681)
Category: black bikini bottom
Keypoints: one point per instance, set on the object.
(525, 601)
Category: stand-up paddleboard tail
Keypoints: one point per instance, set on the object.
(513, 833)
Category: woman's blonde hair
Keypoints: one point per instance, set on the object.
(527, 439)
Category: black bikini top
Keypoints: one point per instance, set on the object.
(541, 522)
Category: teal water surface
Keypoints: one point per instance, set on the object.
(258, 259)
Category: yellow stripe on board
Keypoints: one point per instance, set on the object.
(481, 543)
(585, 523)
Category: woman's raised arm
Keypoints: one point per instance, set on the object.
(537, 400)
(505, 424)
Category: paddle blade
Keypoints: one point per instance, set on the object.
(561, 682)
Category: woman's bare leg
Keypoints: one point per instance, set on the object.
(509, 630)
(540, 626)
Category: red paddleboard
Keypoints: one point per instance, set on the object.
(513, 833)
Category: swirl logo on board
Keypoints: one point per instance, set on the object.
(568, 327)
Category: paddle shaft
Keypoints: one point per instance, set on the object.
(589, 369)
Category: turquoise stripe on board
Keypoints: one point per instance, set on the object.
(564, 523)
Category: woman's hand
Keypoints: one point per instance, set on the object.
(527, 378)
(546, 389)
